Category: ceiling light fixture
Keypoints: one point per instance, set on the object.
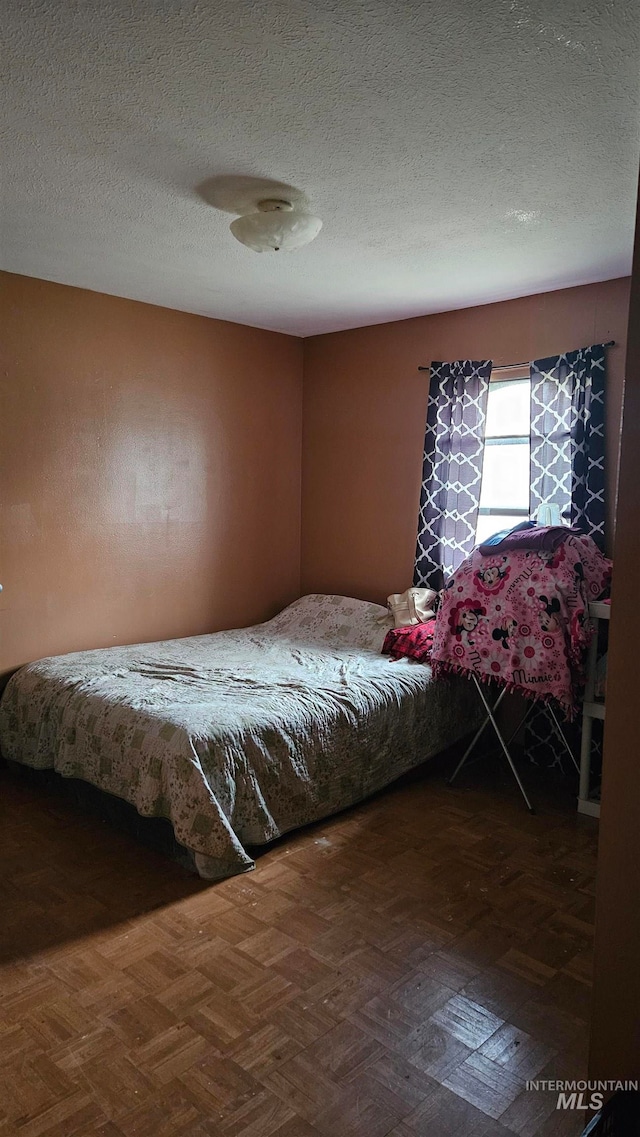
(278, 225)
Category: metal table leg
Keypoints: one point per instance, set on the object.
(562, 736)
(503, 744)
(491, 719)
(476, 737)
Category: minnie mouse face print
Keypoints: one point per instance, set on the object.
(469, 620)
(508, 628)
(491, 577)
(548, 617)
(465, 618)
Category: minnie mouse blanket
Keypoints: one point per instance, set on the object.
(521, 618)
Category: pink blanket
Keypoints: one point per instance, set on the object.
(521, 618)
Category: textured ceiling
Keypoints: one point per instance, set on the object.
(458, 151)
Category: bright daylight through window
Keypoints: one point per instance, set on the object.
(504, 497)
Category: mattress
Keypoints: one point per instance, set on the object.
(239, 736)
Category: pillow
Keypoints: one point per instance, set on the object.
(337, 621)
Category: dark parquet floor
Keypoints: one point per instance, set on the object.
(397, 971)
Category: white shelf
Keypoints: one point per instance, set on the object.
(600, 610)
(592, 708)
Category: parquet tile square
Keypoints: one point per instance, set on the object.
(306, 1087)
(497, 1129)
(117, 1084)
(529, 1112)
(263, 1049)
(169, 1113)
(439, 1052)
(379, 967)
(341, 942)
(344, 1051)
(272, 991)
(236, 925)
(77, 1113)
(263, 1116)
(309, 926)
(15, 1042)
(421, 995)
(386, 1019)
(550, 1024)
(219, 1085)
(229, 970)
(109, 995)
(567, 994)
(486, 1084)
(580, 967)
(351, 1116)
(517, 1051)
(450, 969)
(526, 966)
(268, 946)
(32, 1085)
(445, 1114)
(404, 1079)
(349, 992)
(564, 1124)
(140, 1021)
(30, 997)
(500, 991)
(297, 1128)
(467, 1021)
(156, 970)
(308, 973)
(171, 1053)
(187, 992)
(416, 939)
(58, 1021)
(397, 971)
(304, 1021)
(221, 1019)
(101, 1044)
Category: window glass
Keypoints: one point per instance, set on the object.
(487, 526)
(508, 408)
(505, 476)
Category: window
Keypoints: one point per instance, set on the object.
(504, 495)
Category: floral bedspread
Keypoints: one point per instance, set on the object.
(239, 736)
(521, 618)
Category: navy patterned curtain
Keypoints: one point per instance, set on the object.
(567, 469)
(567, 437)
(452, 468)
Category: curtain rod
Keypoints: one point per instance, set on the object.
(512, 366)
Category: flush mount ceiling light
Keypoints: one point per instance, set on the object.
(277, 225)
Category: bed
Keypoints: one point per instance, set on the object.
(240, 736)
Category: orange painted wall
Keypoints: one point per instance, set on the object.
(364, 415)
(150, 459)
(149, 471)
